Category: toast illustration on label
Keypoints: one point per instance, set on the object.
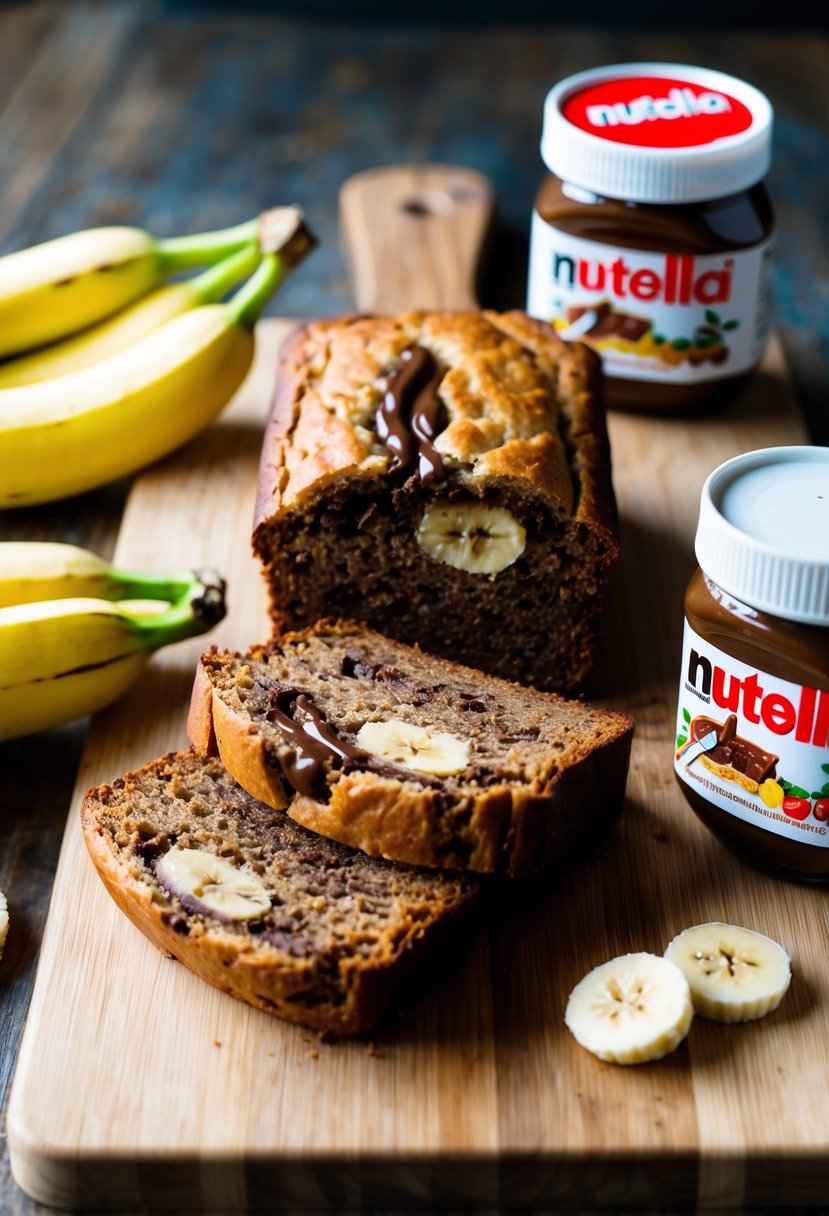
(605, 328)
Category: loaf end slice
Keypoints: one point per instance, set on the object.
(327, 936)
(410, 757)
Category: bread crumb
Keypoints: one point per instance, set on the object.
(271, 1053)
(372, 1051)
(313, 1055)
(217, 1042)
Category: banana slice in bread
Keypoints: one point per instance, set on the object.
(409, 757)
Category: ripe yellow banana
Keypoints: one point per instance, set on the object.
(131, 324)
(43, 570)
(62, 286)
(61, 659)
(69, 434)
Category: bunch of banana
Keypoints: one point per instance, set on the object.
(75, 632)
(132, 386)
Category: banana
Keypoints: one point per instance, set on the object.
(61, 659)
(735, 974)
(416, 747)
(4, 921)
(43, 570)
(632, 1009)
(67, 435)
(471, 536)
(206, 883)
(64, 285)
(131, 324)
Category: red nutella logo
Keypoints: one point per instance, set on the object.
(678, 283)
(809, 718)
(679, 103)
(656, 112)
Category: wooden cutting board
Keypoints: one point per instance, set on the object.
(139, 1085)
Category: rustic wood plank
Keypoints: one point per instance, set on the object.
(44, 112)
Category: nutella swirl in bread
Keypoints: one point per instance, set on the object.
(445, 477)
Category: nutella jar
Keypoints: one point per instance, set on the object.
(651, 237)
(752, 743)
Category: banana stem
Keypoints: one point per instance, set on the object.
(124, 585)
(286, 241)
(200, 608)
(246, 306)
(212, 284)
(184, 252)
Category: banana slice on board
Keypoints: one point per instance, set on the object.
(735, 974)
(471, 536)
(633, 1009)
(4, 921)
(417, 747)
(206, 883)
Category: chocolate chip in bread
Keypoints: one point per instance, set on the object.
(446, 478)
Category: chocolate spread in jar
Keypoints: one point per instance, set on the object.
(763, 788)
(651, 236)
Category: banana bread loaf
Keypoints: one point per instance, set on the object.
(410, 757)
(446, 478)
(289, 922)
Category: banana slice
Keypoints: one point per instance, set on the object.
(633, 1009)
(471, 536)
(735, 974)
(204, 882)
(4, 921)
(424, 750)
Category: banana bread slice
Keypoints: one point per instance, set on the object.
(292, 923)
(410, 757)
(446, 478)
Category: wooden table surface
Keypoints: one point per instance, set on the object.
(184, 120)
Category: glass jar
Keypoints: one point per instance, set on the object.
(752, 743)
(652, 232)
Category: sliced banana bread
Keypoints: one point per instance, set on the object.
(294, 924)
(445, 477)
(410, 757)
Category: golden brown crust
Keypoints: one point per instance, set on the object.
(200, 730)
(516, 397)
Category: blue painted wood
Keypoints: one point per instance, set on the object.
(208, 116)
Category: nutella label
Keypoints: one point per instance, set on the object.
(669, 317)
(752, 745)
(657, 112)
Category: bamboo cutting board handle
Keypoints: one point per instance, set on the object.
(413, 235)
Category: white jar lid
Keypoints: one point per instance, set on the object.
(657, 132)
(763, 532)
